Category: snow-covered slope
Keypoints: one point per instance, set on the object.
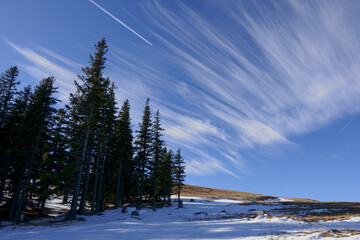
(199, 219)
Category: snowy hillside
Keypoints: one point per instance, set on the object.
(199, 219)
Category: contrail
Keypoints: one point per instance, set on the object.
(97, 5)
(347, 124)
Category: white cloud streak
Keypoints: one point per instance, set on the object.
(41, 66)
(116, 19)
(299, 86)
(278, 70)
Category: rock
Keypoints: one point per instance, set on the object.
(198, 213)
(135, 213)
(124, 210)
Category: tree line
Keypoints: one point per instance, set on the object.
(85, 151)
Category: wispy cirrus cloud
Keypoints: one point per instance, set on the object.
(40, 66)
(187, 128)
(278, 70)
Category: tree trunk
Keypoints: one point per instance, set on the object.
(121, 199)
(85, 187)
(95, 184)
(27, 177)
(101, 207)
(137, 184)
(65, 198)
(99, 193)
(154, 190)
(4, 174)
(179, 204)
(72, 213)
(141, 185)
(42, 209)
(16, 195)
(118, 183)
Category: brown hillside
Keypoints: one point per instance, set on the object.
(206, 192)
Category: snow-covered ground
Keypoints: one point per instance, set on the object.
(199, 219)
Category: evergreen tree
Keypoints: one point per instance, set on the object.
(165, 174)
(157, 150)
(108, 117)
(124, 151)
(60, 154)
(13, 143)
(38, 119)
(54, 168)
(7, 95)
(83, 106)
(179, 173)
(143, 146)
(7, 92)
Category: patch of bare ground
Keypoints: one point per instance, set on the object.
(335, 233)
(206, 192)
(325, 211)
(331, 233)
(299, 208)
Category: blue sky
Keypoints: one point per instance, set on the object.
(261, 96)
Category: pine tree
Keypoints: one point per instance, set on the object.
(108, 116)
(124, 150)
(12, 143)
(158, 144)
(143, 148)
(37, 123)
(61, 157)
(54, 168)
(179, 173)
(7, 92)
(83, 105)
(165, 174)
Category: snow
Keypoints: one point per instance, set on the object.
(225, 200)
(55, 204)
(199, 219)
(278, 200)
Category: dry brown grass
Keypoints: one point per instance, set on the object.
(206, 192)
(330, 233)
(334, 233)
(336, 210)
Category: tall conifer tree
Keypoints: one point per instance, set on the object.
(38, 122)
(84, 104)
(143, 145)
(108, 120)
(13, 143)
(158, 144)
(179, 173)
(165, 174)
(123, 150)
(7, 92)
